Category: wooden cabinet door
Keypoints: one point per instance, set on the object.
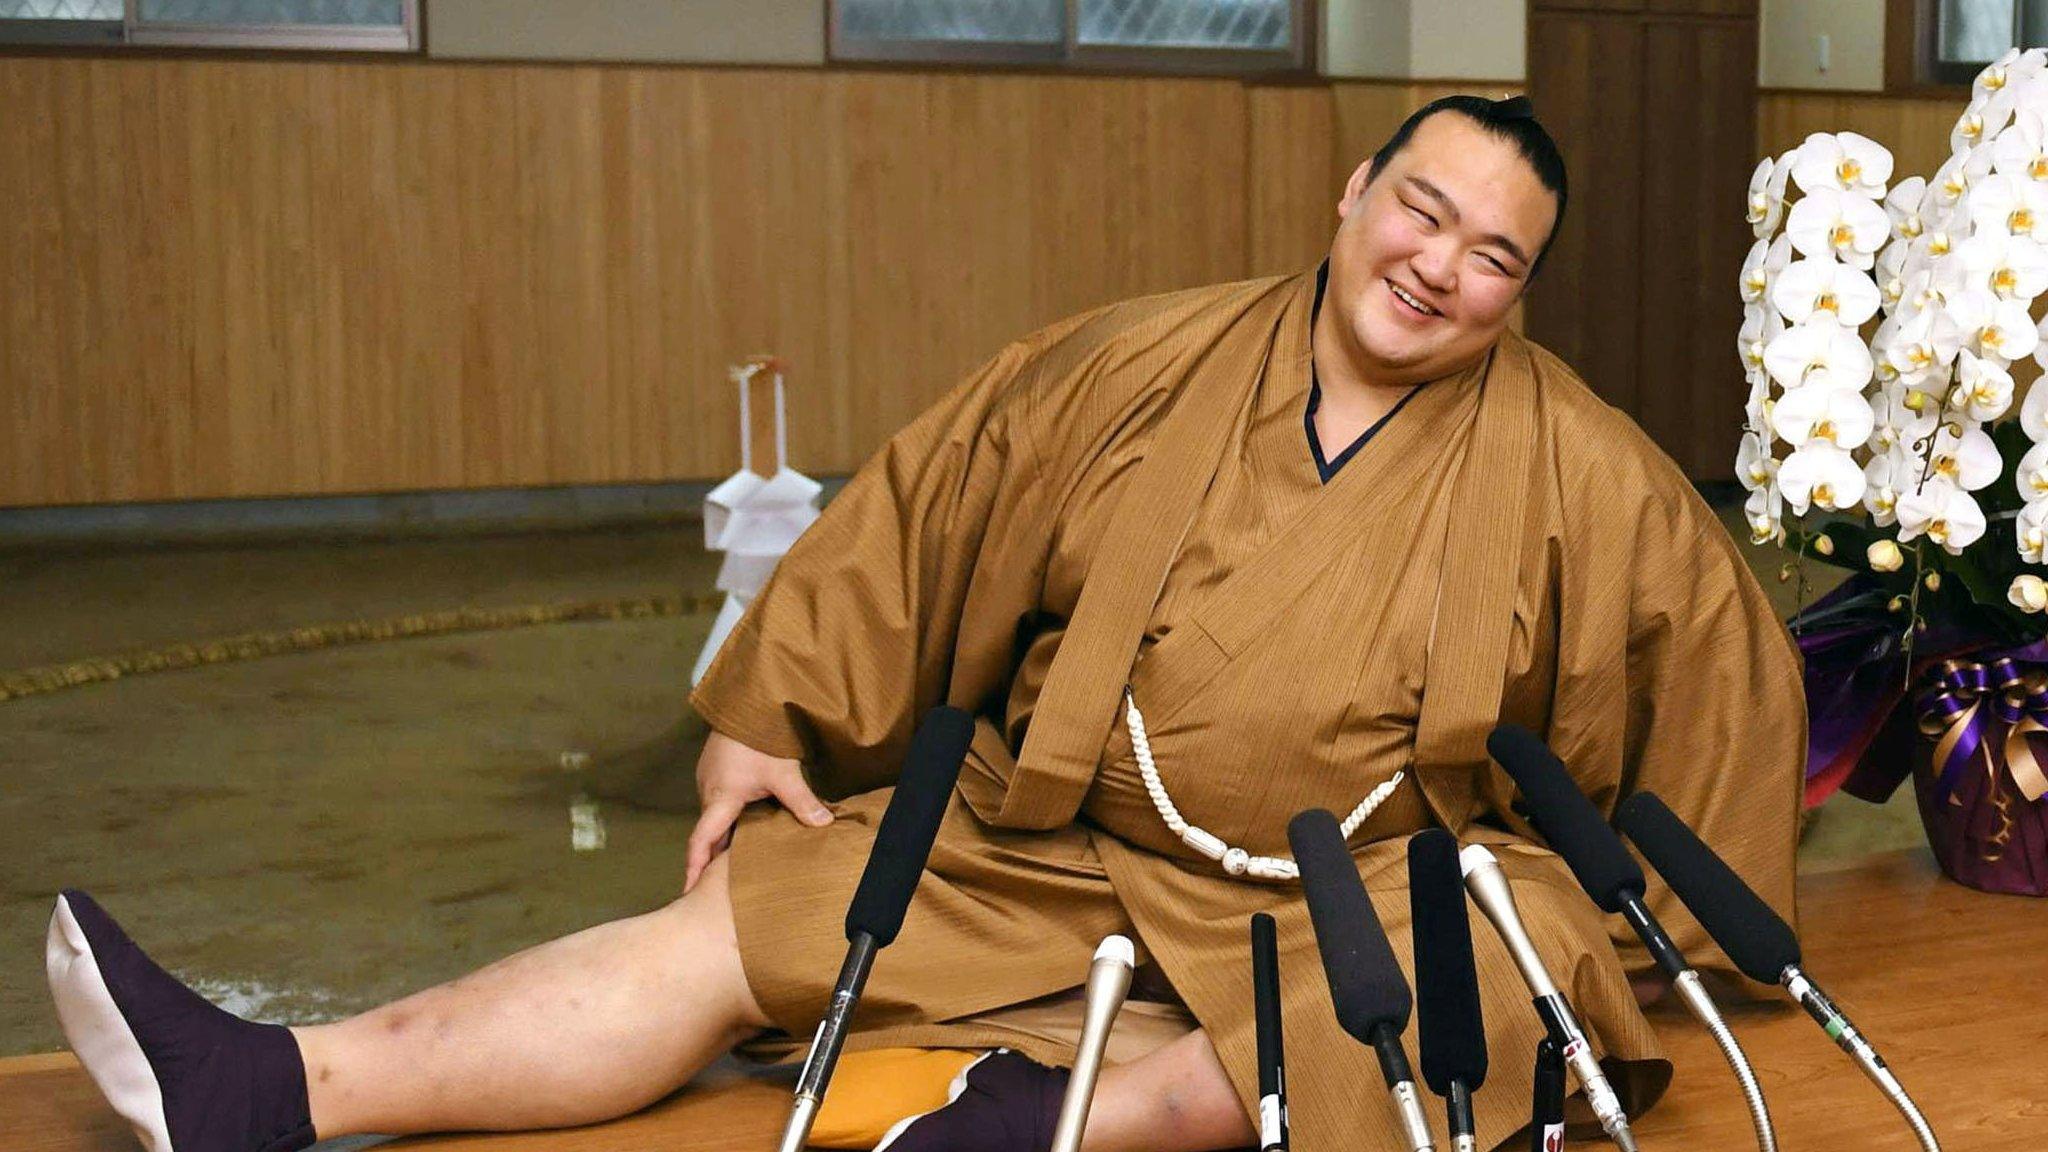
(1585, 78)
(1699, 145)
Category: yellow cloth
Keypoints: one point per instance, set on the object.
(872, 1090)
(1506, 546)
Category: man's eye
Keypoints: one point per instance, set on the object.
(1424, 215)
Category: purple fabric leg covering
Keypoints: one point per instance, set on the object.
(225, 1084)
(1010, 1103)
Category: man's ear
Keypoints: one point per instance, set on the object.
(1354, 188)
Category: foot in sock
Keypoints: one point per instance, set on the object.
(1003, 1102)
(186, 1075)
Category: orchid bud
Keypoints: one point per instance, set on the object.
(2028, 593)
(1933, 581)
(1884, 556)
(1824, 545)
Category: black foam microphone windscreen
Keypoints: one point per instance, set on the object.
(1754, 937)
(1566, 818)
(903, 841)
(1366, 985)
(1447, 1012)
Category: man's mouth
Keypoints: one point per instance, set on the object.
(1411, 300)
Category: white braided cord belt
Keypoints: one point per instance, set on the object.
(1235, 861)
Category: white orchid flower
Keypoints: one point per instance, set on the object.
(1952, 180)
(2013, 69)
(1765, 511)
(1926, 343)
(2010, 267)
(1766, 202)
(1756, 411)
(1983, 388)
(1904, 415)
(1970, 461)
(1994, 327)
(1760, 324)
(1881, 480)
(1824, 285)
(1820, 474)
(1942, 512)
(1842, 162)
(2022, 149)
(1985, 117)
(1891, 273)
(2034, 412)
(1931, 282)
(1754, 466)
(1939, 240)
(1761, 267)
(2009, 204)
(1828, 221)
(1813, 412)
(1902, 207)
(2032, 531)
(2030, 476)
(1822, 353)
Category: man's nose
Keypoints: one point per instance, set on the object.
(1435, 266)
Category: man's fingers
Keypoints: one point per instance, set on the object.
(797, 796)
(709, 838)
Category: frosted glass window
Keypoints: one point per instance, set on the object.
(273, 12)
(1125, 35)
(60, 9)
(1258, 25)
(973, 21)
(1976, 31)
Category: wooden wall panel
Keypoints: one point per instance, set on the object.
(258, 277)
(1916, 129)
(271, 277)
(1293, 177)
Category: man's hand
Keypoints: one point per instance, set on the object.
(731, 776)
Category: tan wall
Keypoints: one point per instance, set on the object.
(279, 277)
(1788, 51)
(709, 31)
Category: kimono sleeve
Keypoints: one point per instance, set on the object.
(854, 635)
(1715, 715)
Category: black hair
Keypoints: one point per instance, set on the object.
(1513, 120)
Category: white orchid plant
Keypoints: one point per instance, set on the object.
(1883, 325)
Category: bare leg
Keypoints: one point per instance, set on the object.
(1175, 1099)
(577, 1030)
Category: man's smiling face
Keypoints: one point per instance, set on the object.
(1433, 252)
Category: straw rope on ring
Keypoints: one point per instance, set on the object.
(253, 645)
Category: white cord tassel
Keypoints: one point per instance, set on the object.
(1235, 861)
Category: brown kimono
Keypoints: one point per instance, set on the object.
(1128, 496)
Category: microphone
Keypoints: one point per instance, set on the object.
(1109, 978)
(903, 842)
(1759, 941)
(1447, 1008)
(1489, 888)
(1272, 1061)
(1366, 986)
(1600, 861)
(1546, 1105)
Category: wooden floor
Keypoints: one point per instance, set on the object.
(1944, 980)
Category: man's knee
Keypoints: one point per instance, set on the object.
(703, 922)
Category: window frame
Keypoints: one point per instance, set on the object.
(133, 31)
(1912, 48)
(1069, 55)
